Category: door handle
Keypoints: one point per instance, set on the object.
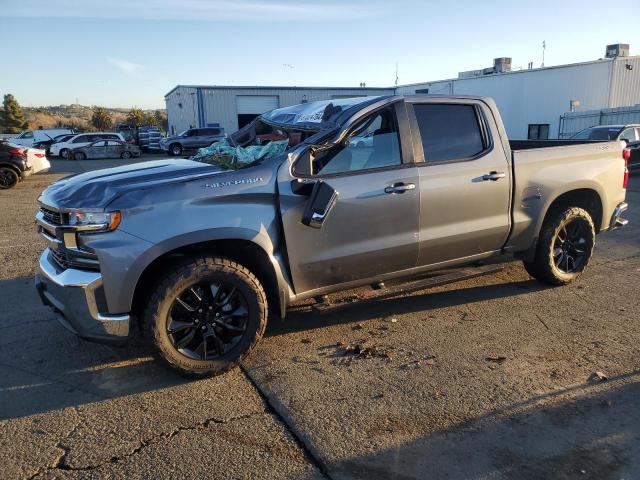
(399, 188)
(493, 176)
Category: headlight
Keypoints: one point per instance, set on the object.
(94, 220)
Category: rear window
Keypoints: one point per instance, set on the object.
(606, 133)
(449, 131)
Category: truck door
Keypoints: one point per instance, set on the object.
(465, 179)
(361, 220)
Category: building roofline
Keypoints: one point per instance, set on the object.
(524, 70)
(394, 88)
(275, 87)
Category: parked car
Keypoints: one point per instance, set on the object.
(18, 162)
(201, 253)
(63, 148)
(634, 156)
(45, 144)
(29, 137)
(628, 133)
(105, 149)
(192, 139)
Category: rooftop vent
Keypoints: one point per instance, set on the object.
(502, 64)
(617, 50)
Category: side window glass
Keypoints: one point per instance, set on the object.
(448, 131)
(27, 135)
(629, 134)
(372, 143)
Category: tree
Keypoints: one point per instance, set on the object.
(161, 120)
(101, 119)
(11, 117)
(135, 117)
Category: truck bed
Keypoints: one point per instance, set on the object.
(544, 169)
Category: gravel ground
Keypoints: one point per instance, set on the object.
(486, 378)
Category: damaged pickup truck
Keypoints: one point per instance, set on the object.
(199, 253)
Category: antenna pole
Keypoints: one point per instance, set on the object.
(544, 47)
(396, 73)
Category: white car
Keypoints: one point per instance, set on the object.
(81, 140)
(37, 160)
(30, 137)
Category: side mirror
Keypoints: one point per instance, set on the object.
(321, 201)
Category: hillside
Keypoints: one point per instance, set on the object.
(73, 116)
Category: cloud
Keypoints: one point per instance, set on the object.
(203, 10)
(124, 66)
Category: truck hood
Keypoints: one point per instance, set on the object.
(98, 188)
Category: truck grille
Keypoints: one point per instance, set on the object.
(61, 259)
(51, 216)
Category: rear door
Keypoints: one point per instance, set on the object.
(465, 179)
(97, 149)
(114, 149)
(371, 228)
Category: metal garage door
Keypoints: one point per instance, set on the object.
(256, 104)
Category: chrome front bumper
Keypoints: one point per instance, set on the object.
(77, 297)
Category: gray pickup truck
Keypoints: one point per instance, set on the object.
(199, 255)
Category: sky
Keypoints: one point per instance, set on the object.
(124, 53)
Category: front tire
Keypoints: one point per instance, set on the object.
(565, 246)
(125, 155)
(8, 178)
(79, 156)
(64, 153)
(206, 316)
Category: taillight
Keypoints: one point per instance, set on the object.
(39, 155)
(18, 152)
(626, 154)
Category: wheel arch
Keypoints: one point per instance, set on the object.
(585, 197)
(12, 167)
(241, 250)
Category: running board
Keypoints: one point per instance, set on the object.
(409, 287)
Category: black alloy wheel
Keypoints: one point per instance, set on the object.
(570, 246)
(207, 320)
(8, 178)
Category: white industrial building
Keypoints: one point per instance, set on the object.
(531, 101)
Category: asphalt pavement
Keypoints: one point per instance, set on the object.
(487, 378)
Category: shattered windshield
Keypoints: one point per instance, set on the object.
(313, 114)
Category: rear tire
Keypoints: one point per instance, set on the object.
(175, 149)
(9, 178)
(206, 316)
(565, 246)
(79, 156)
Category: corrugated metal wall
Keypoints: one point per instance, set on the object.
(625, 82)
(573, 122)
(182, 109)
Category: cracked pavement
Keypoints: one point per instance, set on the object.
(485, 378)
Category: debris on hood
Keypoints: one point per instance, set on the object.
(222, 154)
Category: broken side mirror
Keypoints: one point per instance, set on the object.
(321, 201)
